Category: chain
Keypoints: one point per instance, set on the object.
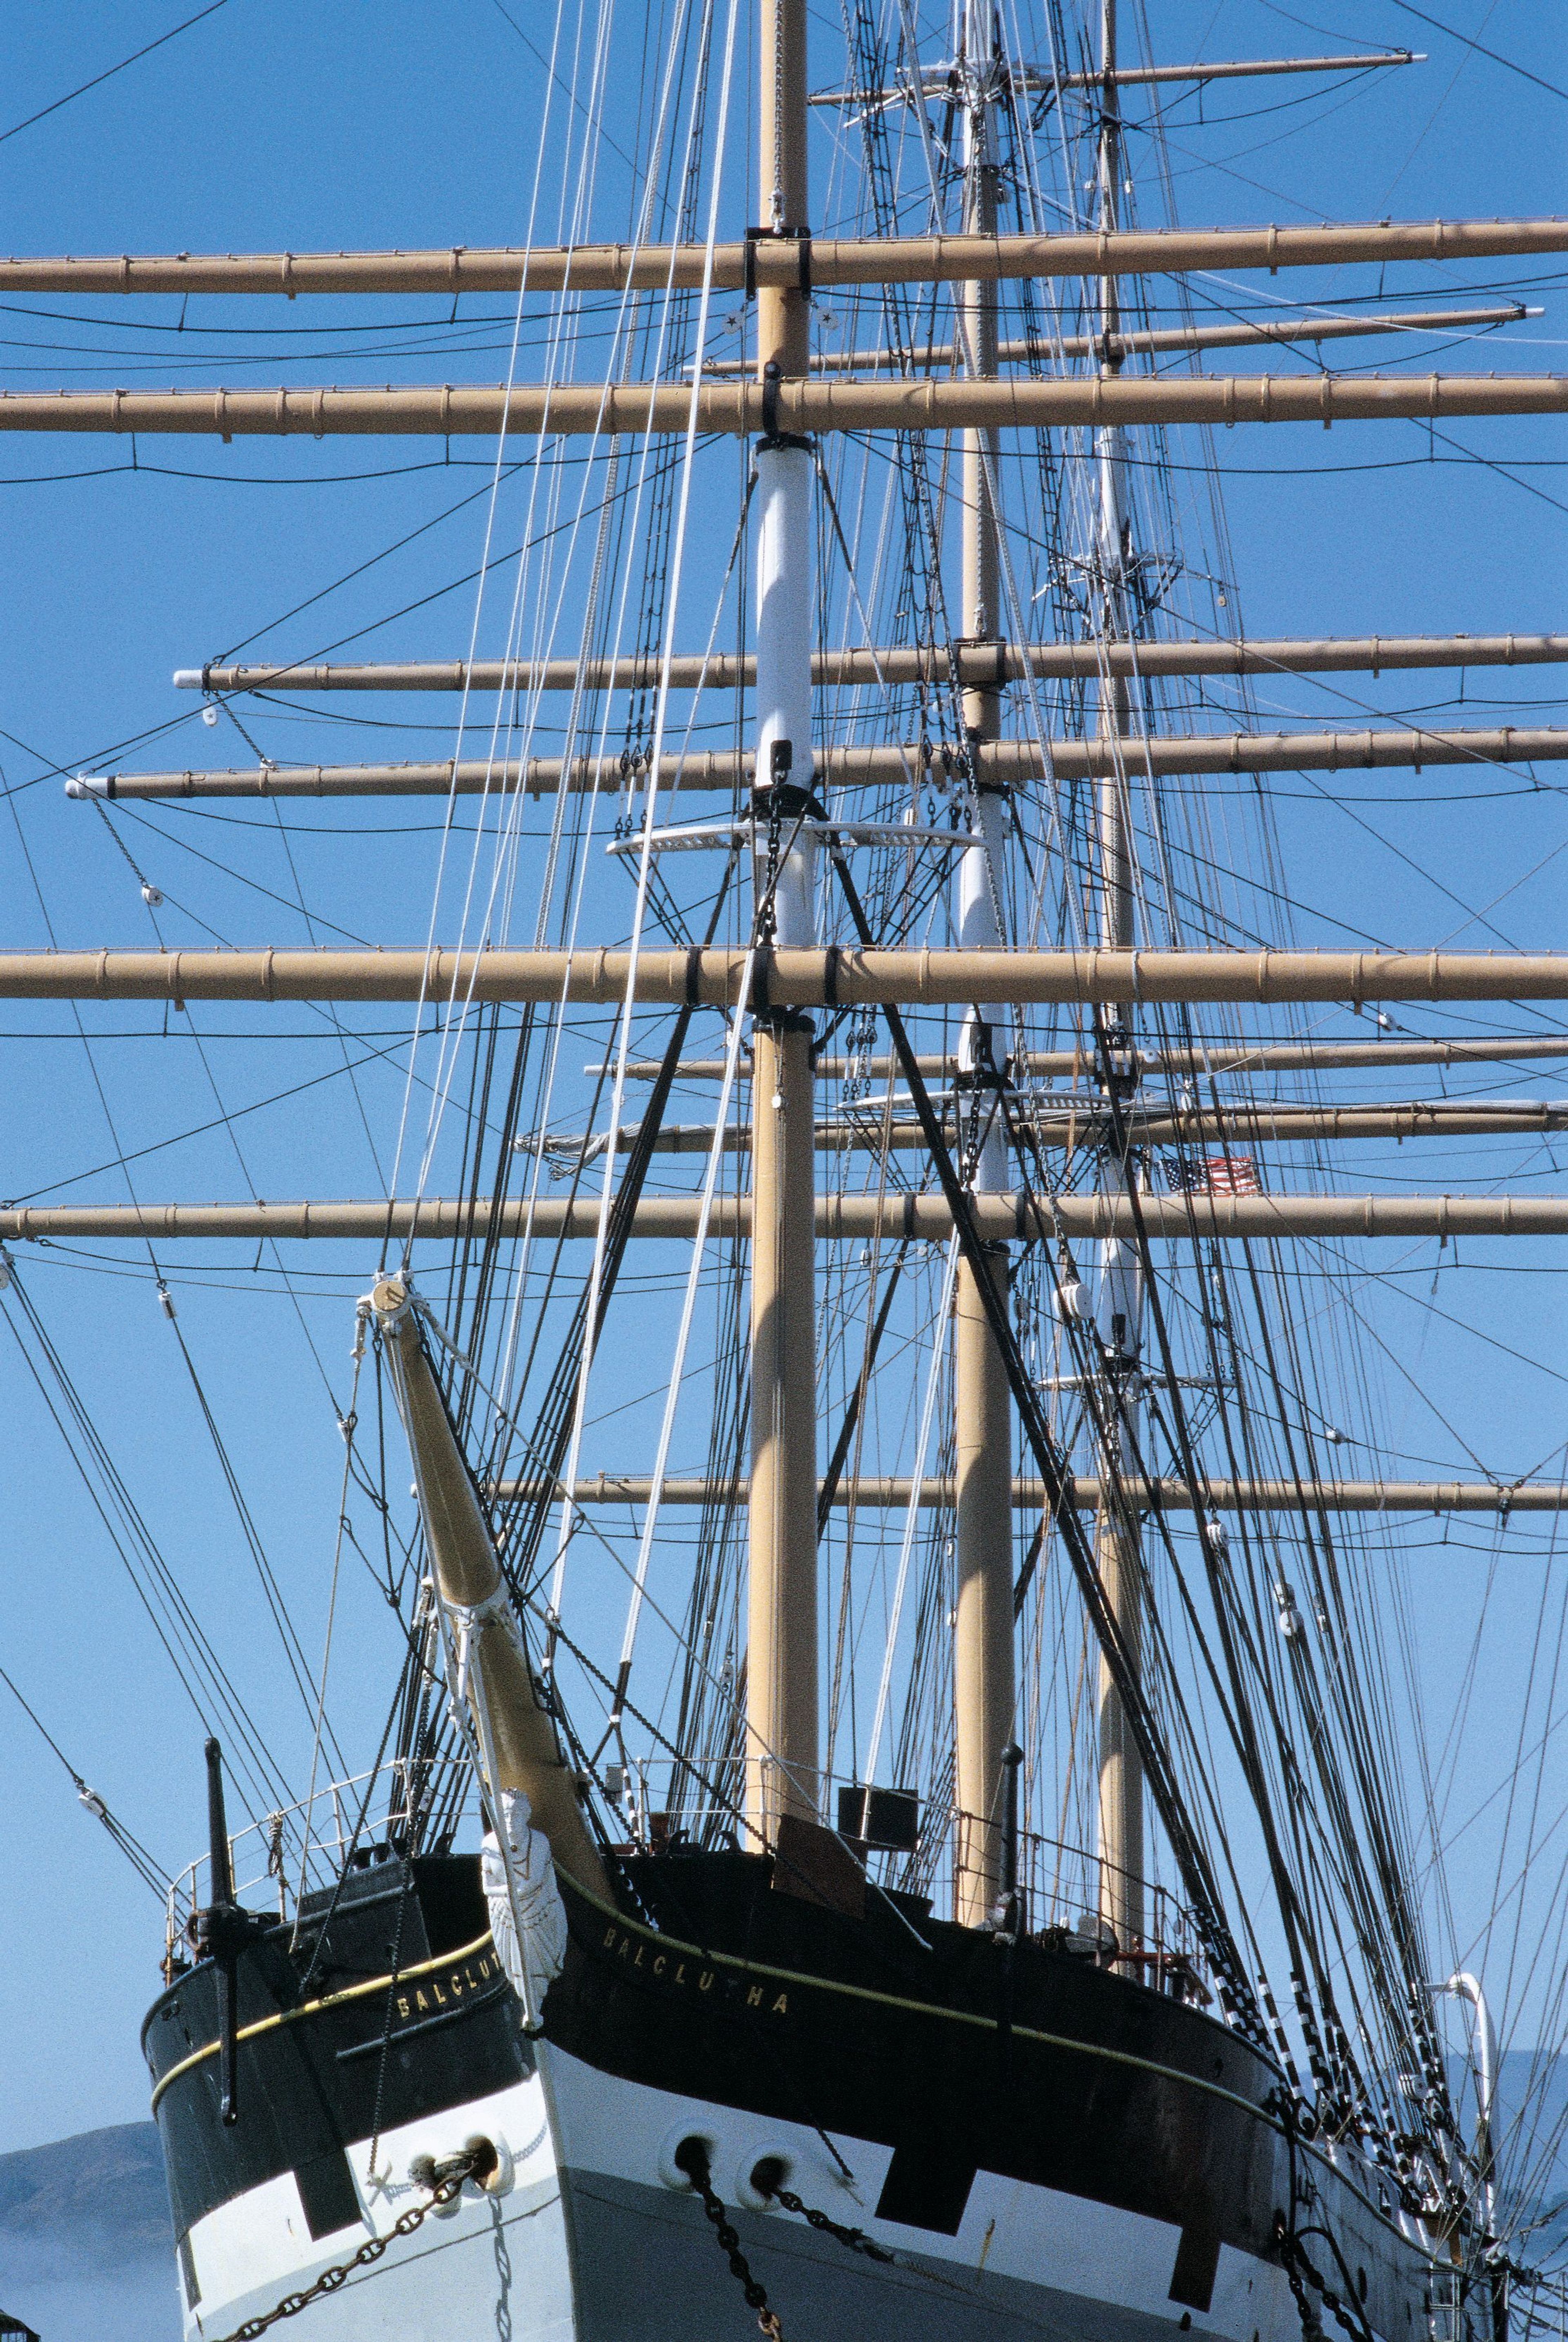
(442, 2190)
(767, 921)
(777, 206)
(1312, 2324)
(855, 2238)
(1298, 2265)
(692, 2157)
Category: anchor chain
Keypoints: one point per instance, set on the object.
(1312, 2324)
(855, 2238)
(446, 2182)
(692, 2157)
(1298, 2266)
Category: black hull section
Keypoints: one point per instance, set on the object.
(955, 2052)
(333, 2046)
(960, 2053)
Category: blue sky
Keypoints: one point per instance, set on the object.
(345, 126)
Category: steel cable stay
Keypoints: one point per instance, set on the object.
(1297, 1800)
(1298, 1915)
(349, 1422)
(646, 865)
(146, 1868)
(547, 1448)
(1407, 2005)
(277, 1606)
(1191, 1860)
(915, 1420)
(1345, 1836)
(939, 1333)
(1235, 1709)
(706, 1681)
(662, 473)
(1258, 1646)
(1391, 1861)
(448, 1055)
(1345, 1832)
(847, 1450)
(678, 1364)
(497, 477)
(200, 1672)
(294, 1650)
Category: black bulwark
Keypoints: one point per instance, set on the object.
(390, 2003)
(957, 2050)
(962, 2052)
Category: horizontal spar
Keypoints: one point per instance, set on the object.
(778, 260)
(1201, 1058)
(448, 410)
(1041, 80)
(841, 976)
(1112, 348)
(839, 1218)
(1227, 69)
(1004, 763)
(1088, 1120)
(892, 1493)
(976, 662)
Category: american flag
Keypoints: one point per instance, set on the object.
(1213, 1175)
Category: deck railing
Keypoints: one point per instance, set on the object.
(300, 1850)
(285, 1858)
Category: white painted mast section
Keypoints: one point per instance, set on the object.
(781, 505)
(983, 1661)
(782, 1762)
(1121, 1297)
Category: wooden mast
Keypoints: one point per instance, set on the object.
(983, 1663)
(782, 1762)
(1117, 1554)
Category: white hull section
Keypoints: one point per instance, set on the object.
(487, 2266)
(1026, 2260)
(591, 2235)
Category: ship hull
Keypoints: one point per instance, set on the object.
(1030, 2144)
(582, 2244)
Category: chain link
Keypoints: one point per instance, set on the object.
(1299, 2265)
(1312, 2324)
(855, 2238)
(692, 2157)
(371, 2251)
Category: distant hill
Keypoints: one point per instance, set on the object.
(102, 2191)
(1532, 2129)
(86, 2247)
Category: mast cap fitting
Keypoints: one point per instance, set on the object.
(391, 1298)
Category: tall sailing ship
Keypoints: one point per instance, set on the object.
(937, 1866)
